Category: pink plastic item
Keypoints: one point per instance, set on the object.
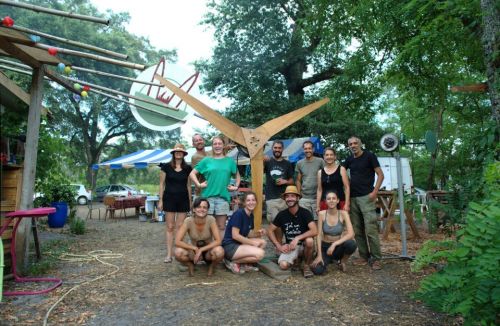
(35, 212)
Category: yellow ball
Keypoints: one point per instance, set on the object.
(84, 94)
(67, 70)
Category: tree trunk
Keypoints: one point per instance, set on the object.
(491, 41)
(434, 155)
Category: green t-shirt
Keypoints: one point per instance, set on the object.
(309, 170)
(217, 173)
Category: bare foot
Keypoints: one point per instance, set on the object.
(210, 269)
(190, 268)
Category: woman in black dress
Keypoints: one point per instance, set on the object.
(175, 194)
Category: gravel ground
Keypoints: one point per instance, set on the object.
(146, 291)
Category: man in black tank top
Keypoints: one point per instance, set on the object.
(362, 166)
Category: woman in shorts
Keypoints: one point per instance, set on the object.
(332, 177)
(204, 238)
(217, 171)
(175, 194)
(335, 240)
(243, 245)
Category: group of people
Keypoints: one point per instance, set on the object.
(322, 210)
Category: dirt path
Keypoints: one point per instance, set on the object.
(146, 291)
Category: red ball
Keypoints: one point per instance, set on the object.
(86, 88)
(52, 51)
(8, 22)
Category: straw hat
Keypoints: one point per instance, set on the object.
(179, 148)
(291, 190)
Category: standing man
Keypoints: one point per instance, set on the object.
(279, 174)
(307, 177)
(298, 225)
(363, 165)
(199, 145)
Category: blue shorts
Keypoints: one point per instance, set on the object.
(218, 206)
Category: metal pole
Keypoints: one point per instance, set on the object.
(402, 216)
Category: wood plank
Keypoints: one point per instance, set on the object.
(14, 89)
(15, 36)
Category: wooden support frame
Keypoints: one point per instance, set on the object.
(388, 203)
(253, 139)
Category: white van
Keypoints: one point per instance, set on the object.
(388, 166)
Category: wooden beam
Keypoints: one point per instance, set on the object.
(473, 88)
(17, 53)
(30, 157)
(67, 41)
(14, 89)
(14, 36)
(55, 12)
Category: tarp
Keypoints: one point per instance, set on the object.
(150, 157)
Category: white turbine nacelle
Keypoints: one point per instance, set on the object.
(389, 142)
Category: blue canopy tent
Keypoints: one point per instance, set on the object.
(150, 157)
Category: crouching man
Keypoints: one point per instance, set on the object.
(299, 228)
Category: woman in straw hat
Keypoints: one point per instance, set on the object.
(175, 194)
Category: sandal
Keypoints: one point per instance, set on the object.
(307, 271)
(342, 267)
(167, 260)
(376, 265)
(360, 262)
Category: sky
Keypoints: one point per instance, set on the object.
(170, 25)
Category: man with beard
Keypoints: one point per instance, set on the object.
(362, 166)
(199, 145)
(307, 177)
(299, 228)
(279, 174)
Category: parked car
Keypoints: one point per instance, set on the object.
(116, 190)
(82, 194)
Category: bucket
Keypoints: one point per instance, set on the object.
(58, 219)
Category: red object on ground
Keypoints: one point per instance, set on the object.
(52, 51)
(7, 21)
(35, 212)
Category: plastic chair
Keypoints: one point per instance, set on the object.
(109, 202)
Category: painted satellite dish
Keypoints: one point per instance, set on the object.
(158, 116)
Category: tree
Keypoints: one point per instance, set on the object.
(91, 125)
(273, 56)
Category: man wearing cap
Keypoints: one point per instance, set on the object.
(299, 228)
(307, 177)
(279, 174)
(362, 166)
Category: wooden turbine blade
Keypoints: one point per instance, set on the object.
(274, 126)
(257, 166)
(226, 126)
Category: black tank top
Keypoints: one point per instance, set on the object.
(332, 182)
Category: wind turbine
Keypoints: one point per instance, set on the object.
(253, 139)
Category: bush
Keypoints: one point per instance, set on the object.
(77, 226)
(469, 282)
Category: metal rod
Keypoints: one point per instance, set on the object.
(68, 41)
(116, 76)
(97, 92)
(90, 71)
(92, 56)
(55, 12)
(122, 93)
(402, 217)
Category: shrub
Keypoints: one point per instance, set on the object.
(77, 226)
(469, 282)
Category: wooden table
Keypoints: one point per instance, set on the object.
(122, 203)
(387, 201)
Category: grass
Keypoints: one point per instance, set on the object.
(50, 251)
